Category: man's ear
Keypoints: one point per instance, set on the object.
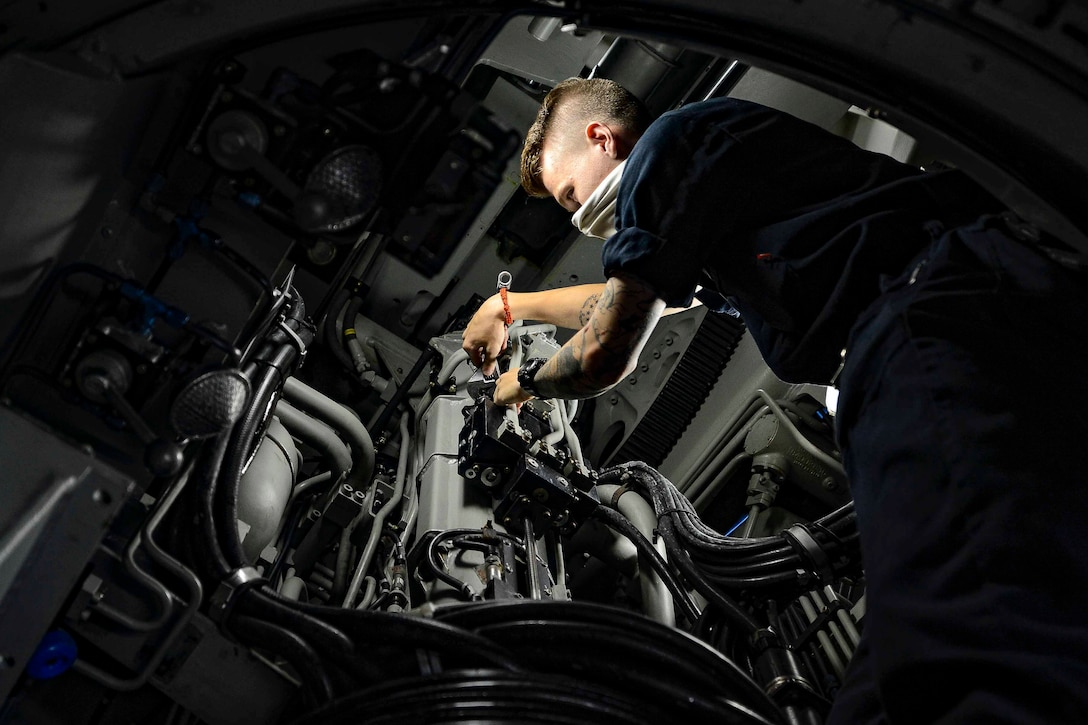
(603, 138)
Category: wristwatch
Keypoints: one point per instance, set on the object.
(527, 372)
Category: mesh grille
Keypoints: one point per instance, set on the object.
(678, 402)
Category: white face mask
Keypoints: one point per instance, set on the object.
(597, 216)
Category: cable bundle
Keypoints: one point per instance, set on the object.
(715, 564)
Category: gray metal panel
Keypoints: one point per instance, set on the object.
(220, 682)
(56, 502)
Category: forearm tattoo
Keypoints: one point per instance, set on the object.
(617, 326)
(587, 309)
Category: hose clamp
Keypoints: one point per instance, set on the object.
(229, 590)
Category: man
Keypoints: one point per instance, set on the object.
(950, 332)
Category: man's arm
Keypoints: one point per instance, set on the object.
(602, 352)
(485, 335)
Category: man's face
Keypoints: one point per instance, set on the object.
(572, 167)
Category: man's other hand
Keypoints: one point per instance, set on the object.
(508, 390)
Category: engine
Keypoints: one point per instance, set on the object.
(249, 473)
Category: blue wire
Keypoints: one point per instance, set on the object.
(736, 525)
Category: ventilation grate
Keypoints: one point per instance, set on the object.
(682, 396)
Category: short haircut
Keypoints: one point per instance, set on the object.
(586, 98)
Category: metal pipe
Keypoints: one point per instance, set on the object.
(316, 434)
(530, 558)
(191, 581)
(340, 418)
(379, 518)
(801, 439)
(656, 598)
(726, 473)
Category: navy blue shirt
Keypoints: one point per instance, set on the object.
(793, 225)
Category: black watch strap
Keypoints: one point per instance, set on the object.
(527, 372)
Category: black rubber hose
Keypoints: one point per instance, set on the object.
(334, 643)
(331, 332)
(483, 696)
(272, 365)
(376, 430)
(625, 624)
(440, 572)
(296, 650)
(367, 628)
(206, 473)
(617, 521)
(268, 377)
(641, 667)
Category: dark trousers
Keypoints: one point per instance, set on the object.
(963, 418)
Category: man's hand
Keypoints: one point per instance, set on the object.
(485, 336)
(508, 390)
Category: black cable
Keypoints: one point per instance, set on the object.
(440, 572)
(266, 604)
(367, 628)
(296, 650)
(486, 696)
(625, 625)
(613, 657)
(206, 473)
(266, 381)
(271, 366)
(624, 527)
(376, 430)
(726, 561)
(679, 556)
(332, 335)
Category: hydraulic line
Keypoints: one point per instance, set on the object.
(379, 518)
